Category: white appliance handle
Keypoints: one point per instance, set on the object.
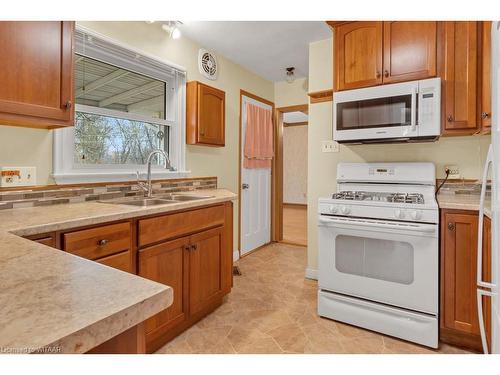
(480, 282)
(413, 109)
(374, 224)
(480, 294)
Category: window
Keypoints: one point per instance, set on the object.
(127, 104)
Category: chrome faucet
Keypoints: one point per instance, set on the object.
(147, 186)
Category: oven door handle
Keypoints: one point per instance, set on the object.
(373, 224)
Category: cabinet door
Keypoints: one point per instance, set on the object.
(358, 55)
(485, 61)
(409, 50)
(36, 73)
(458, 259)
(205, 269)
(167, 264)
(211, 113)
(460, 77)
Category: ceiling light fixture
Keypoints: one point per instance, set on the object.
(290, 74)
(172, 28)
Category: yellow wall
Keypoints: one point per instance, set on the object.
(469, 153)
(287, 94)
(34, 147)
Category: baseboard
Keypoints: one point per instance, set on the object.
(311, 273)
(236, 255)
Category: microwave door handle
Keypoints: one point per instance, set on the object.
(480, 282)
(413, 109)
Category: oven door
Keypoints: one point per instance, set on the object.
(375, 113)
(395, 263)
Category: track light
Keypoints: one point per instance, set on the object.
(172, 29)
(290, 74)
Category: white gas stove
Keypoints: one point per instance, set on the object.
(378, 250)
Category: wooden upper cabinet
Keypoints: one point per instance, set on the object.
(460, 77)
(358, 55)
(205, 115)
(409, 50)
(485, 77)
(36, 74)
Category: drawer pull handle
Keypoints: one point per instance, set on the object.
(102, 242)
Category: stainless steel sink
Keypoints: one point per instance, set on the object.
(183, 197)
(141, 202)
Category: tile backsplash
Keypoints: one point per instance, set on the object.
(61, 194)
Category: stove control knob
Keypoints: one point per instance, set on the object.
(416, 215)
(333, 209)
(398, 214)
(344, 210)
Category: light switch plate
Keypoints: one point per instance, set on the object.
(17, 176)
(329, 146)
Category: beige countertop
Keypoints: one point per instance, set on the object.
(52, 299)
(463, 202)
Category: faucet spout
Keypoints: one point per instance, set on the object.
(149, 161)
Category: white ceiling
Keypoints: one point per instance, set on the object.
(263, 47)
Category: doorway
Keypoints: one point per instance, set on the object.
(293, 121)
(255, 187)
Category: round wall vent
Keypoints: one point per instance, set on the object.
(207, 63)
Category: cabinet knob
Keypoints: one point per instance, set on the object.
(379, 75)
(451, 226)
(102, 242)
(485, 115)
(194, 247)
(450, 118)
(68, 104)
(386, 73)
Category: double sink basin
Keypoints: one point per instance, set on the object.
(156, 199)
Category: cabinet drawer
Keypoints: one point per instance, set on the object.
(161, 228)
(98, 242)
(121, 261)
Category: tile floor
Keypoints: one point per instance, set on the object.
(272, 309)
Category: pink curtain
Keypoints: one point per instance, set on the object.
(258, 149)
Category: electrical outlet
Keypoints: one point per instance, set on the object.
(329, 146)
(454, 171)
(17, 176)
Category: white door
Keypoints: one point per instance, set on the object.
(255, 193)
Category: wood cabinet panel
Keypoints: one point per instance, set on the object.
(459, 324)
(36, 73)
(95, 243)
(161, 228)
(485, 77)
(460, 77)
(121, 261)
(167, 263)
(409, 50)
(205, 266)
(205, 114)
(358, 54)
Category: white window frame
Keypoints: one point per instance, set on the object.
(96, 46)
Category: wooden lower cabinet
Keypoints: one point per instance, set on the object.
(459, 323)
(198, 266)
(167, 263)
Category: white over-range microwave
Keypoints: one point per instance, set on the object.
(399, 112)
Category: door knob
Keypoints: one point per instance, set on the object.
(245, 186)
(379, 75)
(68, 104)
(450, 118)
(485, 115)
(386, 73)
(451, 226)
